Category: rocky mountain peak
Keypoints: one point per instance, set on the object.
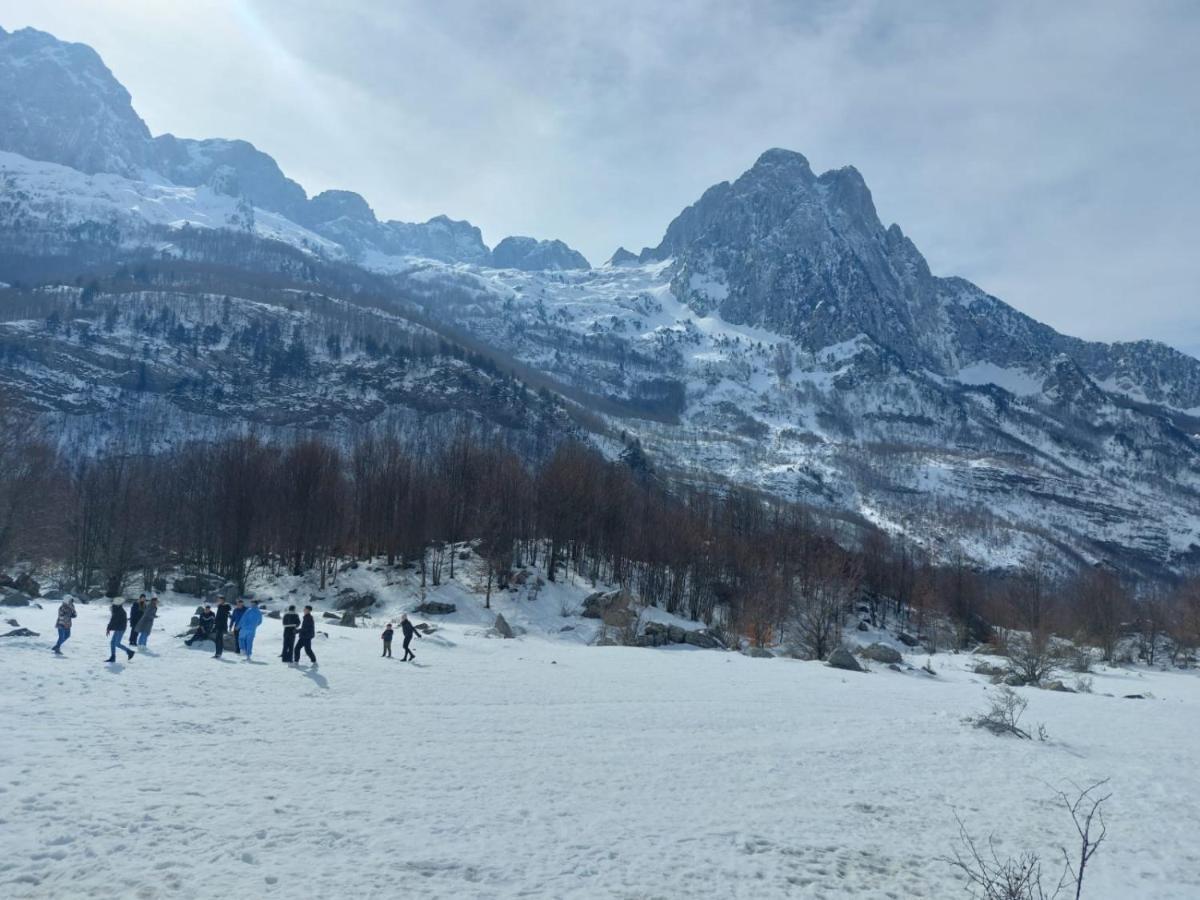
(59, 103)
(530, 254)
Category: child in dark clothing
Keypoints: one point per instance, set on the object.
(387, 640)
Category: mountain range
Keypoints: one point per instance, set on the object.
(779, 336)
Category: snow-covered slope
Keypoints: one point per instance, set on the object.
(543, 767)
(780, 336)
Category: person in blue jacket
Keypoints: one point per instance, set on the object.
(247, 625)
(235, 619)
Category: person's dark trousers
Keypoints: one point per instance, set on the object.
(408, 654)
(237, 641)
(387, 648)
(304, 644)
(289, 645)
(219, 640)
(63, 635)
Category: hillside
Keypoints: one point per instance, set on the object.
(780, 336)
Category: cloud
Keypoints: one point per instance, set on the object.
(1046, 151)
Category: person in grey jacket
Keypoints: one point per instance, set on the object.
(146, 621)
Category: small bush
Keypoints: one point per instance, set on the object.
(1004, 715)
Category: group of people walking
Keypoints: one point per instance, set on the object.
(240, 620)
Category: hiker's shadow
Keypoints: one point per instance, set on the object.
(320, 680)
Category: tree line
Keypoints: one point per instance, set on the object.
(752, 566)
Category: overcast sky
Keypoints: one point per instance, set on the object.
(1047, 151)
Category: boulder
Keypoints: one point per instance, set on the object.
(863, 626)
(1134, 697)
(5, 580)
(229, 642)
(464, 554)
(1058, 686)
(990, 670)
(195, 623)
(20, 632)
(159, 584)
(597, 604)
(53, 594)
(759, 653)
(566, 628)
(653, 639)
(434, 608)
(521, 577)
(841, 658)
(425, 628)
(1012, 679)
(881, 653)
(702, 639)
(676, 634)
(13, 623)
(10, 597)
(347, 620)
(274, 614)
(196, 585)
(353, 601)
(331, 615)
(26, 585)
(907, 639)
(502, 627)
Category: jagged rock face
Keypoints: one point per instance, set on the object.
(623, 257)
(255, 175)
(59, 103)
(532, 255)
(805, 256)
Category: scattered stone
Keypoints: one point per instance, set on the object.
(895, 668)
(464, 554)
(274, 614)
(26, 585)
(1012, 679)
(5, 580)
(702, 639)
(331, 615)
(676, 634)
(881, 653)
(841, 658)
(521, 577)
(229, 642)
(907, 639)
(863, 626)
(425, 628)
(502, 627)
(1134, 697)
(434, 608)
(566, 628)
(990, 670)
(347, 620)
(759, 653)
(197, 585)
(20, 632)
(353, 601)
(1058, 686)
(10, 597)
(53, 594)
(12, 622)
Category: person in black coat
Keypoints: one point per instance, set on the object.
(308, 631)
(204, 628)
(116, 630)
(135, 614)
(291, 624)
(407, 627)
(387, 640)
(220, 626)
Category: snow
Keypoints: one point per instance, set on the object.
(1014, 380)
(542, 766)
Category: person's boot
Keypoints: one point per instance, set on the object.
(111, 659)
(129, 654)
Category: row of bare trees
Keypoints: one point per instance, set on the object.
(768, 571)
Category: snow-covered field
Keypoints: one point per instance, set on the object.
(544, 767)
